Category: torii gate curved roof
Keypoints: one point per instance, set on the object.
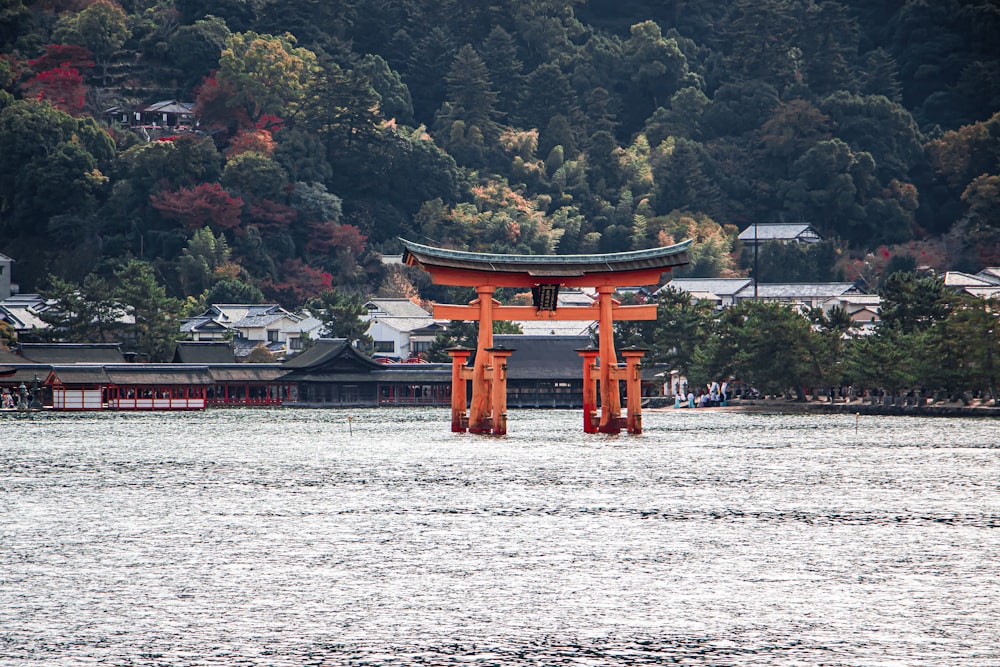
(458, 267)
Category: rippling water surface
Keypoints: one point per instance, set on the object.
(287, 537)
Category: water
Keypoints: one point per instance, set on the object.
(296, 537)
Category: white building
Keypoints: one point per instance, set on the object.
(252, 325)
(401, 330)
(781, 232)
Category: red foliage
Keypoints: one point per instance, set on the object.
(271, 216)
(328, 236)
(246, 141)
(211, 106)
(62, 87)
(65, 56)
(269, 123)
(206, 204)
(298, 283)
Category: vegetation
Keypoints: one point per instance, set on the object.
(930, 339)
(328, 131)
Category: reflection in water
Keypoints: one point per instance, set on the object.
(286, 537)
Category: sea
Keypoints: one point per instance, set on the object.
(288, 537)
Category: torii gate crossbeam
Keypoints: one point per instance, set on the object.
(545, 274)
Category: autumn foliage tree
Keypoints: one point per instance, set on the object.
(205, 205)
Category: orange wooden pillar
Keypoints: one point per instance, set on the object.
(611, 406)
(590, 420)
(499, 382)
(480, 411)
(459, 374)
(633, 389)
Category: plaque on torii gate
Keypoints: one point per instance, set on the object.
(544, 275)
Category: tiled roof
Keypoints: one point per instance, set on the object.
(543, 357)
(405, 324)
(795, 290)
(778, 231)
(719, 286)
(203, 352)
(72, 353)
(394, 308)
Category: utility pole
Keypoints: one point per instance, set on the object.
(755, 245)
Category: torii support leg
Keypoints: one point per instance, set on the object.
(590, 420)
(459, 374)
(633, 389)
(480, 411)
(611, 400)
(499, 364)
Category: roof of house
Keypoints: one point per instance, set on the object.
(991, 273)
(543, 357)
(394, 308)
(21, 310)
(404, 324)
(796, 290)
(203, 352)
(960, 279)
(716, 286)
(779, 231)
(984, 291)
(72, 353)
(169, 106)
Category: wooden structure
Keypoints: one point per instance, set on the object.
(544, 275)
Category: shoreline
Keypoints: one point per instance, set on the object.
(783, 406)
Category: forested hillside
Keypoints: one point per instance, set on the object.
(329, 129)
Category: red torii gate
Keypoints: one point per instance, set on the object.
(545, 274)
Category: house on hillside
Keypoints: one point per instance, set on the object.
(807, 295)
(991, 274)
(985, 284)
(862, 309)
(251, 326)
(401, 330)
(780, 232)
(165, 113)
(21, 312)
(719, 291)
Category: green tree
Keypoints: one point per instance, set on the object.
(961, 352)
(233, 291)
(157, 316)
(341, 314)
(204, 255)
(505, 69)
(102, 27)
(394, 96)
(658, 70)
(80, 314)
(883, 361)
(268, 74)
(768, 345)
(910, 303)
(682, 324)
(53, 164)
(196, 48)
(254, 175)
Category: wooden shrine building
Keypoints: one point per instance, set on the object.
(486, 409)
